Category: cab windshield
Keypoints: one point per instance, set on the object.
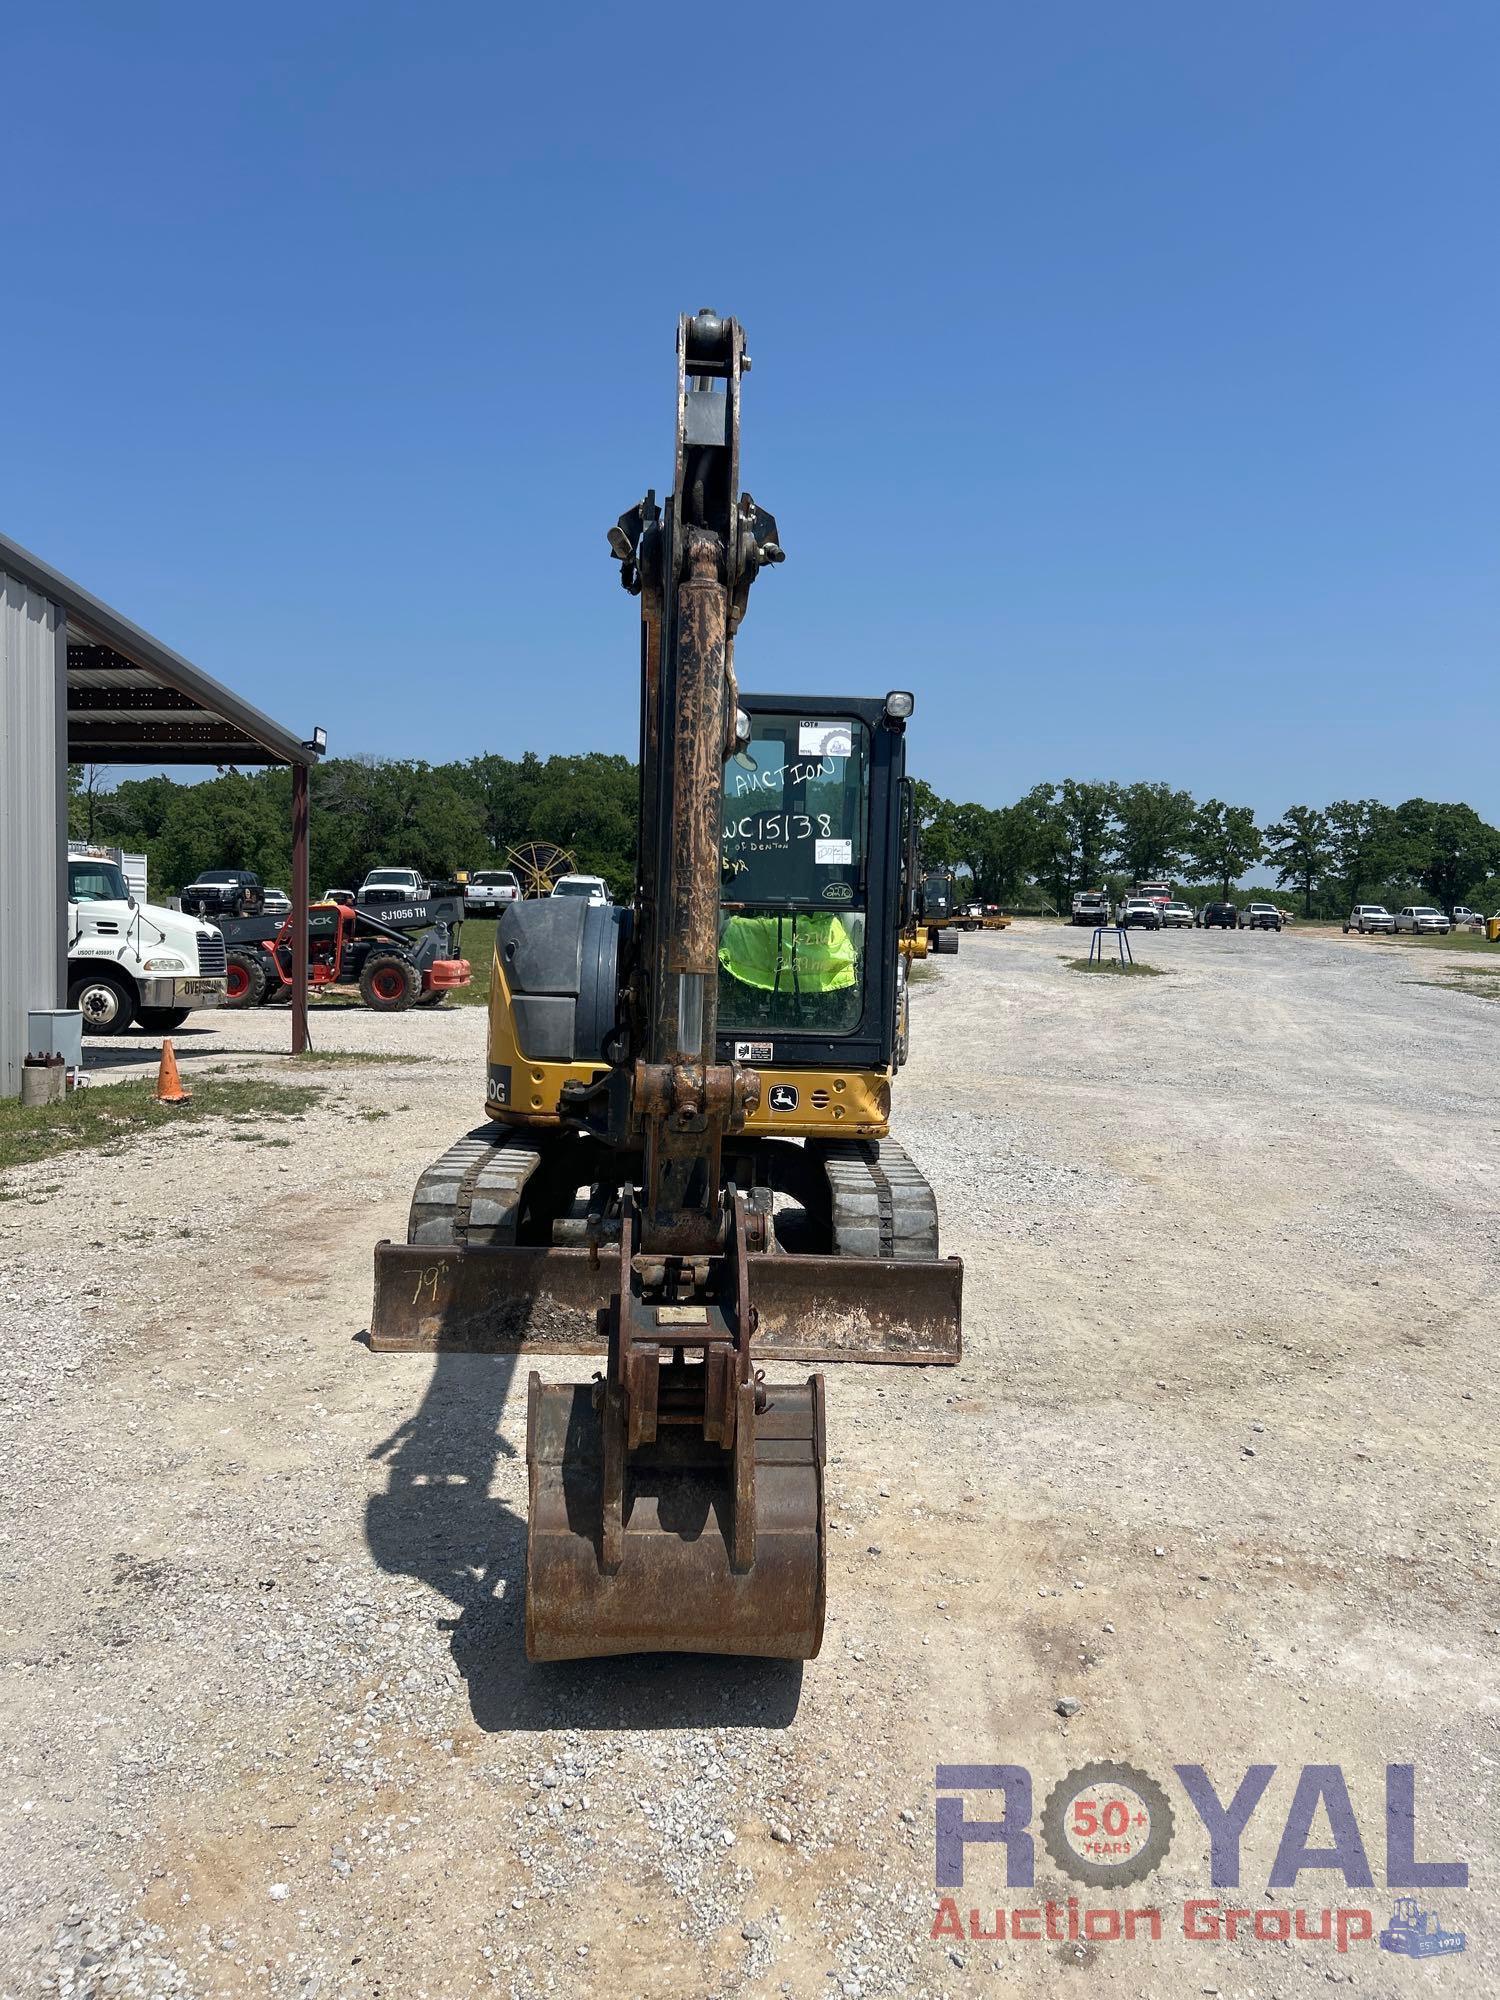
(96, 882)
(793, 894)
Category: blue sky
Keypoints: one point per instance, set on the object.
(1125, 375)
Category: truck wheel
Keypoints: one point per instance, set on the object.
(389, 984)
(161, 1020)
(244, 980)
(105, 1002)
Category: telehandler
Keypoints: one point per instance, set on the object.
(686, 1164)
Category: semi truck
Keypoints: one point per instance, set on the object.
(130, 962)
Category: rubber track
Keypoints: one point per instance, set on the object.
(473, 1194)
(882, 1203)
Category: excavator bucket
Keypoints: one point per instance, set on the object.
(673, 1585)
(676, 1506)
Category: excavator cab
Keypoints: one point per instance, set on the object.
(687, 1166)
(811, 828)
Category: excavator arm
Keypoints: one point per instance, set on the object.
(683, 1429)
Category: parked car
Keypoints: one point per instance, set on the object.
(1139, 913)
(1369, 917)
(1177, 917)
(339, 896)
(278, 903)
(225, 892)
(1260, 917)
(1421, 917)
(591, 887)
(1464, 915)
(488, 888)
(1218, 916)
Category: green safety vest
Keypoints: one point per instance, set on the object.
(807, 953)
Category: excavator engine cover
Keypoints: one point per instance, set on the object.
(675, 1587)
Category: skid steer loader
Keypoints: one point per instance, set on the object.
(686, 1164)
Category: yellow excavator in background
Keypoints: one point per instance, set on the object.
(686, 1161)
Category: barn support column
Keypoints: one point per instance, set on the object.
(299, 909)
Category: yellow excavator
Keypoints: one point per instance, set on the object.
(685, 1164)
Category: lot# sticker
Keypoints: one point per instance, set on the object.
(833, 853)
(825, 739)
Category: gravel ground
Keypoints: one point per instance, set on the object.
(1218, 1468)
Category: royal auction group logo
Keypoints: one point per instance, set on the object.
(1109, 1826)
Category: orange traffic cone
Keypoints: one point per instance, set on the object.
(169, 1088)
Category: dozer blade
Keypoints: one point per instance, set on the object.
(523, 1300)
(668, 1581)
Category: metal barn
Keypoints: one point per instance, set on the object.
(78, 684)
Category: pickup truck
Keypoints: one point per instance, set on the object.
(590, 888)
(225, 892)
(489, 890)
(1090, 906)
(1422, 919)
(1140, 913)
(392, 885)
(1261, 917)
(1369, 917)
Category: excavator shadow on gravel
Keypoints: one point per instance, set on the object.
(686, 1165)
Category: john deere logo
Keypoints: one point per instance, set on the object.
(783, 1097)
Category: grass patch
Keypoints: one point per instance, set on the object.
(313, 1058)
(477, 945)
(917, 971)
(1454, 941)
(1137, 967)
(102, 1115)
(1481, 982)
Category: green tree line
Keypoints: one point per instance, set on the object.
(393, 812)
(1076, 835)
(367, 812)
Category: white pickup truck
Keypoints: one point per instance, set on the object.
(130, 961)
(392, 885)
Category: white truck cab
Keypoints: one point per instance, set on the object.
(130, 961)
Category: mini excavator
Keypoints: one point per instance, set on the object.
(686, 1164)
